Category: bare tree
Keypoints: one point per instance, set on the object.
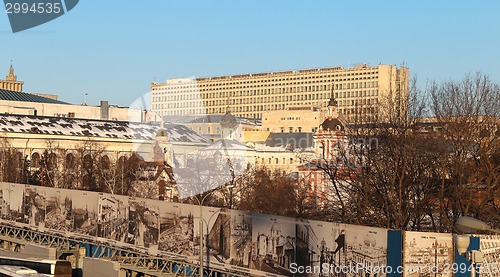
(13, 167)
(468, 111)
(268, 192)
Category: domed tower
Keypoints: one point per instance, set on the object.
(230, 127)
(331, 133)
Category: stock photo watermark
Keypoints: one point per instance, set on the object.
(27, 14)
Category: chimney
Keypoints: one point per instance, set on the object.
(104, 110)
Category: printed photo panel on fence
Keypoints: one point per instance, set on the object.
(241, 239)
(59, 204)
(34, 207)
(490, 246)
(216, 235)
(273, 239)
(13, 196)
(366, 250)
(84, 210)
(143, 223)
(427, 253)
(320, 247)
(177, 229)
(113, 214)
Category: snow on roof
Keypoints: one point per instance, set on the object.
(64, 126)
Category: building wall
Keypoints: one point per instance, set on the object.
(68, 110)
(275, 158)
(359, 88)
(11, 85)
(293, 120)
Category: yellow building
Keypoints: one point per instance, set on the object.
(293, 120)
(10, 82)
(360, 90)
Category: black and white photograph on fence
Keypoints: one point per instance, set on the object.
(58, 210)
(84, 210)
(143, 228)
(427, 253)
(273, 244)
(319, 245)
(176, 229)
(210, 216)
(218, 238)
(490, 246)
(112, 222)
(241, 239)
(367, 248)
(34, 207)
(13, 195)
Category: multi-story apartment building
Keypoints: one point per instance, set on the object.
(360, 92)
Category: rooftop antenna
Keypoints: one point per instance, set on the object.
(85, 99)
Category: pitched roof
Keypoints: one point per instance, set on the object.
(11, 95)
(95, 128)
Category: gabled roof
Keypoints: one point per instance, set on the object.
(11, 95)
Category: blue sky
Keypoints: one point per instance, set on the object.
(114, 49)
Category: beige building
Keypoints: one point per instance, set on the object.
(21, 103)
(360, 90)
(10, 82)
(293, 120)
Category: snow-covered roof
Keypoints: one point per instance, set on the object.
(64, 126)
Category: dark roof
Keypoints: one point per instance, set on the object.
(229, 121)
(294, 140)
(331, 124)
(332, 102)
(11, 95)
(209, 118)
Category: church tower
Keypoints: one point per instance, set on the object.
(10, 82)
(331, 133)
(11, 77)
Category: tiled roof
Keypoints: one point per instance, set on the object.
(64, 126)
(26, 97)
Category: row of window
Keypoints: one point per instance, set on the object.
(265, 99)
(214, 82)
(241, 91)
(273, 160)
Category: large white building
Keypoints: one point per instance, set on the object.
(360, 91)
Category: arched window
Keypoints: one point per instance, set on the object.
(69, 161)
(35, 160)
(105, 162)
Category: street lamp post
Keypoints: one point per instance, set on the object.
(200, 202)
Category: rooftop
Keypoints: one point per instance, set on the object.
(11, 95)
(64, 126)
